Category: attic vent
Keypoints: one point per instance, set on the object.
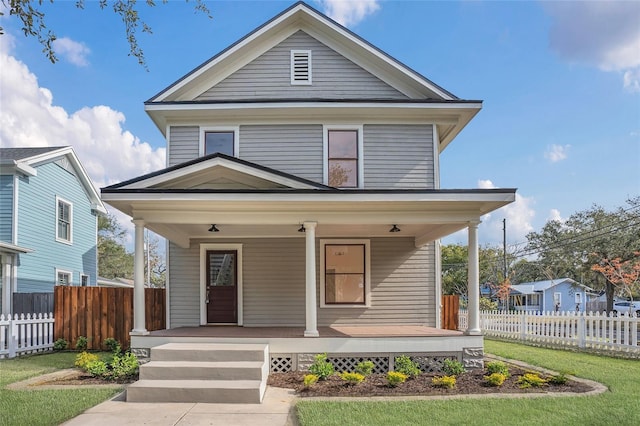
(300, 67)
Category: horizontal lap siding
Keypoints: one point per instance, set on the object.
(402, 290)
(294, 149)
(333, 76)
(183, 144)
(6, 208)
(398, 156)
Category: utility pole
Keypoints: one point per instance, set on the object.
(504, 246)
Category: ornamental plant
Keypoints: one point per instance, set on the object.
(84, 359)
(321, 367)
(352, 378)
(394, 378)
(529, 380)
(559, 379)
(497, 367)
(408, 367)
(310, 380)
(112, 344)
(82, 343)
(495, 379)
(365, 368)
(453, 367)
(448, 382)
(60, 345)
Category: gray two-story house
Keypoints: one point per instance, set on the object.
(302, 200)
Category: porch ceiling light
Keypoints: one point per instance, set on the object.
(302, 228)
(213, 228)
(394, 228)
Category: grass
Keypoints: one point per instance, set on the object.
(617, 406)
(43, 407)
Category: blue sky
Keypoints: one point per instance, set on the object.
(560, 83)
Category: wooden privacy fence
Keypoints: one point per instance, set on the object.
(101, 312)
(32, 303)
(450, 309)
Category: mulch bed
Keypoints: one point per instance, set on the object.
(471, 382)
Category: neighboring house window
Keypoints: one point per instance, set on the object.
(534, 300)
(557, 298)
(64, 220)
(343, 153)
(84, 280)
(345, 272)
(578, 297)
(301, 67)
(63, 277)
(219, 140)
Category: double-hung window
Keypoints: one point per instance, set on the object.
(345, 273)
(64, 221)
(63, 277)
(343, 156)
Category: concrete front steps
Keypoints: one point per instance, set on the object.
(203, 372)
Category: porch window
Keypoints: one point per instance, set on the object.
(343, 157)
(64, 215)
(345, 272)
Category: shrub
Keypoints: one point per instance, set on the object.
(124, 366)
(404, 365)
(558, 379)
(352, 378)
(321, 367)
(60, 345)
(97, 368)
(394, 378)
(448, 382)
(310, 380)
(112, 344)
(85, 358)
(365, 368)
(531, 380)
(495, 379)
(453, 367)
(82, 343)
(498, 367)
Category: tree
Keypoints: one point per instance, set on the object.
(624, 275)
(454, 265)
(113, 259)
(31, 15)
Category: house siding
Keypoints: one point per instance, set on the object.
(398, 156)
(183, 144)
(333, 76)
(402, 284)
(6, 208)
(295, 149)
(37, 211)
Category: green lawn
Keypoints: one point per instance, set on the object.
(43, 407)
(618, 406)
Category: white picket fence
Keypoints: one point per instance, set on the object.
(25, 334)
(581, 330)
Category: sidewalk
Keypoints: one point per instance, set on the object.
(276, 410)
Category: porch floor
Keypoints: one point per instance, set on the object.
(230, 331)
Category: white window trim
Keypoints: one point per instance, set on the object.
(367, 272)
(64, 271)
(203, 278)
(307, 82)
(236, 138)
(578, 297)
(62, 240)
(325, 151)
(557, 298)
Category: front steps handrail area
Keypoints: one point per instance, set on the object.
(203, 372)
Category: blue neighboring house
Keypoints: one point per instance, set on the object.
(48, 222)
(562, 294)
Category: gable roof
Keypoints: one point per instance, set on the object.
(25, 161)
(301, 16)
(541, 286)
(205, 165)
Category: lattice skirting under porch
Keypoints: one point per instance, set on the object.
(428, 362)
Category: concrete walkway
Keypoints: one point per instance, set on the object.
(276, 410)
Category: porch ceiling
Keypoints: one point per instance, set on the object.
(423, 215)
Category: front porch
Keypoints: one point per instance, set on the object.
(345, 345)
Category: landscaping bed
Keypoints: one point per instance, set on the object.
(471, 382)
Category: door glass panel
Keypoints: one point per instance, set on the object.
(222, 269)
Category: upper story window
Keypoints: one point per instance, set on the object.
(301, 67)
(223, 140)
(64, 221)
(343, 157)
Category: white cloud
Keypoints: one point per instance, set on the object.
(349, 12)
(29, 118)
(554, 215)
(555, 153)
(605, 34)
(72, 51)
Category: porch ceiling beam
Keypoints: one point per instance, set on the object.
(326, 218)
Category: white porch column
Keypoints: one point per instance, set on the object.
(7, 270)
(473, 284)
(138, 280)
(311, 309)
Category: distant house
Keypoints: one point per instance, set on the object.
(562, 294)
(48, 221)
